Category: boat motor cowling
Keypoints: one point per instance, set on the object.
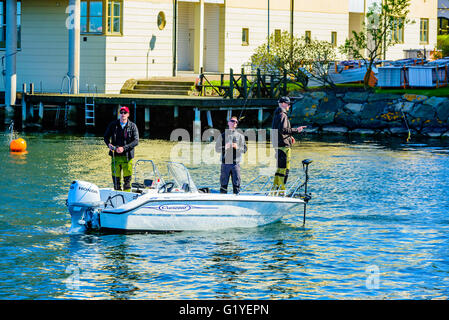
(83, 194)
(83, 201)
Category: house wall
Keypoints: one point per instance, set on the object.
(418, 9)
(130, 56)
(43, 57)
(254, 16)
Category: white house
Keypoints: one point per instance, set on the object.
(106, 42)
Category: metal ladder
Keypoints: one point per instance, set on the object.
(89, 107)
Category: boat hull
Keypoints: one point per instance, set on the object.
(208, 213)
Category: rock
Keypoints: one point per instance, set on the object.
(433, 131)
(363, 131)
(423, 111)
(304, 108)
(347, 119)
(405, 107)
(318, 95)
(353, 107)
(373, 124)
(330, 104)
(414, 97)
(435, 101)
(442, 111)
(323, 118)
(334, 129)
(398, 130)
(383, 97)
(373, 109)
(357, 97)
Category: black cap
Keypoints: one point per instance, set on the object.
(284, 99)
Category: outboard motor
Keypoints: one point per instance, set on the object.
(84, 202)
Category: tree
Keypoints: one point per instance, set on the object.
(379, 32)
(300, 58)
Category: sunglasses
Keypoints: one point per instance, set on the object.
(123, 112)
(234, 121)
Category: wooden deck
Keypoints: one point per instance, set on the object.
(212, 103)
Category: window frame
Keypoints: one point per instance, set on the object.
(19, 25)
(277, 35)
(424, 31)
(334, 39)
(105, 18)
(398, 32)
(440, 26)
(113, 33)
(245, 34)
(308, 36)
(88, 16)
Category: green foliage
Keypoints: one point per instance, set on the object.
(443, 44)
(377, 34)
(300, 58)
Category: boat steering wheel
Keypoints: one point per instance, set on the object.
(166, 187)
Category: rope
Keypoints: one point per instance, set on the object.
(406, 124)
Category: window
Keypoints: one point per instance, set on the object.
(114, 20)
(3, 23)
(398, 30)
(424, 31)
(334, 39)
(245, 36)
(101, 16)
(308, 36)
(92, 16)
(443, 26)
(277, 35)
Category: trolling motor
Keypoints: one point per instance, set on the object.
(306, 196)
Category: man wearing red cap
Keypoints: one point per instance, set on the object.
(121, 137)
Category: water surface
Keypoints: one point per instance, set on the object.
(377, 228)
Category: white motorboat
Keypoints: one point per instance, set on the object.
(176, 204)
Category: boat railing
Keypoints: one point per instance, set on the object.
(141, 178)
(263, 184)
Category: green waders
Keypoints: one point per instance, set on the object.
(119, 164)
(283, 168)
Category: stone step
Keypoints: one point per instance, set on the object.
(165, 82)
(161, 87)
(161, 92)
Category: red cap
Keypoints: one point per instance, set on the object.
(124, 108)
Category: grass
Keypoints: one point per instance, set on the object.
(436, 92)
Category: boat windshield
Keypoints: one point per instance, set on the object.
(181, 177)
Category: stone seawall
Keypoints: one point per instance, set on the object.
(371, 113)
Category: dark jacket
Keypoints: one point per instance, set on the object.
(231, 155)
(284, 129)
(128, 137)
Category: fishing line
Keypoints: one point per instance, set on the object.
(406, 124)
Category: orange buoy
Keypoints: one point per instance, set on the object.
(18, 145)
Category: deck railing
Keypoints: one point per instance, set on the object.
(242, 85)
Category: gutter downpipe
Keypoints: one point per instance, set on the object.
(175, 31)
(10, 56)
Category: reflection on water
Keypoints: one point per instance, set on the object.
(381, 204)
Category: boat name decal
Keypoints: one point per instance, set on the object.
(87, 189)
(174, 207)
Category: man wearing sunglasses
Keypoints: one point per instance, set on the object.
(232, 146)
(282, 140)
(121, 137)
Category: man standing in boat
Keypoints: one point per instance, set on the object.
(232, 146)
(282, 139)
(121, 137)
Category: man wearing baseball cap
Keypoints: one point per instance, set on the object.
(121, 137)
(282, 139)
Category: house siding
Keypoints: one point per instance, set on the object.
(43, 57)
